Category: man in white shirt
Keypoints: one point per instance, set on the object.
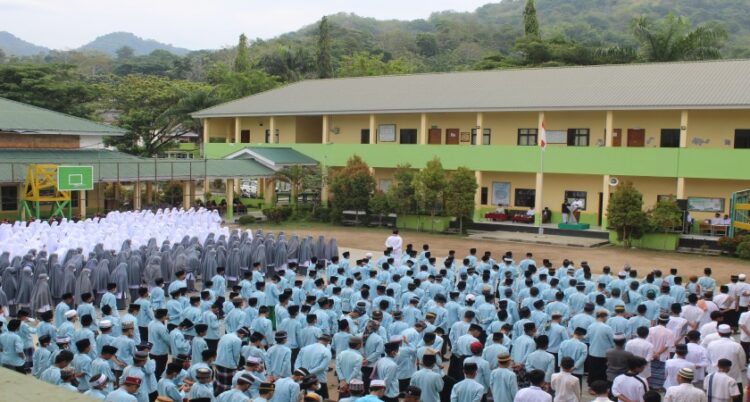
(726, 348)
(639, 346)
(663, 341)
(395, 242)
(534, 393)
(684, 391)
(567, 387)
(744, 327)
(720, 386)
(697, 355)
(630, 386)
(675, 364)
(692, 313)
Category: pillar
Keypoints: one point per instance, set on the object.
(680, 188)
(538, 199)
(99, 188)
(19, 200)
(82, 204)
(269, 192)
(272, 130)
(206, 136)
(150, 193)
(324, 194)
(609, 128)
(237, 184)
(480, 128)
(423, 128)
(187, 199)
(478, 193)
(206, 188)
(230, 199)
(605, 199)
(373, 130)
(137, 195)
(326, 133)
(683, 129)
(237, 130)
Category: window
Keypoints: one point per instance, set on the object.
(268, 136)
(384, 185)
(408, 136)
(527, 136)
(387, 133)
(486, 135)
(576, 196)
(670, 138)
(525, 197)
(742, 139)
(9, 196)
(578, 137)
(364, 136)
(485, 195)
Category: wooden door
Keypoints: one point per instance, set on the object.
(636, 137)
(452, 136)
(433, 136)
(617, 137)
(245, 136)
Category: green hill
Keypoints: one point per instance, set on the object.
(109, 44)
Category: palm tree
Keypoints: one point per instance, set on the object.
(178, 115)
(673, 39)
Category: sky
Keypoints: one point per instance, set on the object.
(193, 24)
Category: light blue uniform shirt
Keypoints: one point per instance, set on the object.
(177, 343)
(97, 394)
(12, 345)
(279, 361)
(503, 384)
(108, 299)
(556, 334)
(198, 345)
(522, 347)
(483, 370)
(430, 382)
(121, 396)
(232, 395)
(292, 327)
(167, 387)
(40, 361)
(308, 335)
(157, 298)
(406, 361)
(315, 358)
(491, 353)
(210, 319)
(125, 348)
(387, 370)
(541, 360)
(286, 390)
(60, 311)
(158, 335)
(349, 365)
(228, 351)
(601, 339)
(576, 350)
(467, 390)
(199, 390)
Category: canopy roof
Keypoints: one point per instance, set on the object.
(22, 118)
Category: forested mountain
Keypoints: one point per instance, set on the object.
(13, 45)
(114, 41)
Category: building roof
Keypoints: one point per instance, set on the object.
(22, 118)
(681, 85)
(274, 158)
(112, 166)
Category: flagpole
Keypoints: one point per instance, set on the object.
(541, 193)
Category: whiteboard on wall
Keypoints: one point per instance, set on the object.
(557, 136)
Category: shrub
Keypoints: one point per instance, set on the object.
(743, 250)
(246, 220)
(322, 214)
(728, 244)
(277, 214)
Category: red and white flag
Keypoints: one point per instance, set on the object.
(543, 137)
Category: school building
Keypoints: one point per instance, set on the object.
(679, 129)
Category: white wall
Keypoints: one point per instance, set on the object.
(91, 141)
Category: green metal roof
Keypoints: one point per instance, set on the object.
(112, 166)
(27, 119)
(273, 157)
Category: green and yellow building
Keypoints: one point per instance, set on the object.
(680, 129)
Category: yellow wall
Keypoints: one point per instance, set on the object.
(410, 121)
(382, 174)
(350, 128)
(257, 127)
(713, 188)
(715, 126)
(650, 187)
(505, 125)
(517, 180)
(221, 128)
(555, 186)
(309, 130)
(651, 121)
(462, 121)
(562, 121)
(287, 129)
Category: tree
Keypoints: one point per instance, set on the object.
(402, 192)
(666, 216)
(362, 64)
(530, 21)
(153, 110)
(429, 184)
(232, 85)
(189, 101)
(296, 176)
(124, 53)
(290, 63)
(242, 58)
(379, 205)
(672, 39)
(459, 195)
(51, 86)
(427, 44)
(351, 187)
(625, 213)
(2, 56)
(325, 63)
